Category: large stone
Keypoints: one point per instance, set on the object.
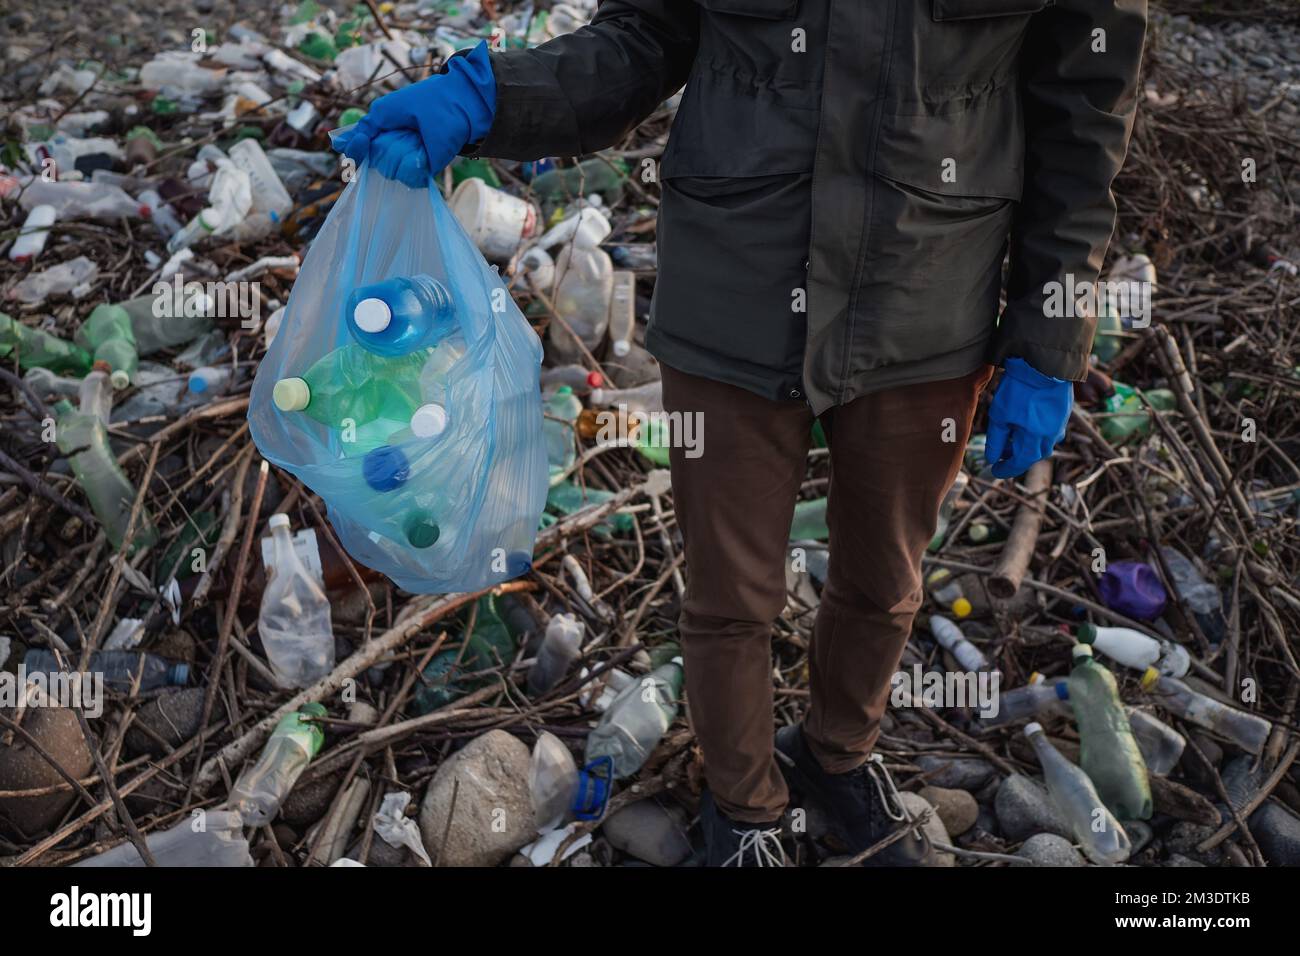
(173, 717)
(493, 813)
(648, 832)
(933, 828)
(58, 732)
(957, 808)
(1048, 849)
(1024, 808)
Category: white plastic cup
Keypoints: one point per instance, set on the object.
(496, 221)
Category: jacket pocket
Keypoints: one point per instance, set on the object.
(767, 9)
(977, 9)
(970, 147)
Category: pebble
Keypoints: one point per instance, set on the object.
(1048, 849)
(957, 808)
(1024, 807)
(648, 832)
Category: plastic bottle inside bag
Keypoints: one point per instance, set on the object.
(294, 621)
(401, 315)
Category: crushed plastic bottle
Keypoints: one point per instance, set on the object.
(1075, 796)
(1247, 731)
(584, 284)
(552, 782)
(44, 382)
(83, 200)
(294, 621)
(561, 646)
(637, 720)
(71, 277)
(1135, 649)
(261, 789)
(1192, 587)
(950, 637)
(1107, 751)
(119, 669)
(208, 381)
(210, 838)
(1161, 745)
(1035, 697)
(946, 591)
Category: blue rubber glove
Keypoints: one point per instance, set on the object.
(1026, 419)
(448, 111)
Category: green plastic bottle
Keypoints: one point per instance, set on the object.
(595, 175)
(351, 383)
(489, 645)
(1108, 753)
(809, 522)
(1129, 415)
(260, 789)
(566, 498)
(108, 336)
(39, 349)
(109, 491)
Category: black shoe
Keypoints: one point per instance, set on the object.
(729, 843)
(863, 804)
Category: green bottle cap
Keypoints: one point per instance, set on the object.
(291, 394)
(421, 530)
(1086, 633)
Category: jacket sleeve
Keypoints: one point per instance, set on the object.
(1079, 104)
(585, 91)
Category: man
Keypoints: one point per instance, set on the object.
(841, 185)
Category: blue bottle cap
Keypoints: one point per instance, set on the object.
(593, 792)
(198, 383)
(179, 675)
(385, 468)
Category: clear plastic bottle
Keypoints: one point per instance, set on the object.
(552, 781)
(160, 321)
(118, 668)
(951, 638)
(561, 646)
(294, 621)
(82, 200)
(947, 507)
(73, 277)
(44, 382)
(261, 788)
(111, 495)
(1107, 751)
(1021, 702)
(1094, 827)
(1161, 745)
(578, 378)
(637, 720)
(584, 286)
(1135, 649)
(1191, 586)
(401, 315)
(210, 838)
(946, 591)
(162, 215)
(622, 312)
(1245, 730)
(209, 381)
(108, 336)
(641, 399)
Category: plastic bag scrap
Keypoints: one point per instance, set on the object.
(403, 387)
(397, 829)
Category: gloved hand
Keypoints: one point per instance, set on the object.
(1026, 419)
(448, 110)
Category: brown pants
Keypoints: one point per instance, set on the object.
(891, 467)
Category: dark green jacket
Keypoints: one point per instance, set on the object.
(843, 177)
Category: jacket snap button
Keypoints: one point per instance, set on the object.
(794, 393)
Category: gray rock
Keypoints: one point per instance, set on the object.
(648, 832)
(933, 828)
(959, 773)
(957, 808)
(493, 813)
(1183, 838)
(310, 798)
(174, 717)
(1277, 831)
(1179, 860)
(1024, 808)
(1048, 849)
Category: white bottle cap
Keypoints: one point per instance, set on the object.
(372, 315)
(278, 520)
(622, 348)
(429, 421)
(1033, 727)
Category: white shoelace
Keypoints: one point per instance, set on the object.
(888, 791)
(764, 844)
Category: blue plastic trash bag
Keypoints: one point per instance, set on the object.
(403, 388)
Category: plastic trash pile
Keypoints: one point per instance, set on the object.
(247, 399)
